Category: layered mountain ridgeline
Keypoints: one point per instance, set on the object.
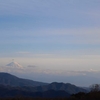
(16, 93)
(69, 88)
(8, 79)
(12, 86)
(7, 91)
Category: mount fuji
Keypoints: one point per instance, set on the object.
(14, 64)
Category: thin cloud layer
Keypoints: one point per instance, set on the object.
(26, 7)
(68, 36)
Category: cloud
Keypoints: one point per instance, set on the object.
(66, 36)
(24, 52)
(46, 8)
(48, 71)
(31, 66)
(9, 69)
(71, 73)
(57, 61)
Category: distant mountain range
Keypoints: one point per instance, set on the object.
(69, 88)
(11, 86)
(11, 80)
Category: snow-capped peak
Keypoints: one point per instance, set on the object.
(14, 65)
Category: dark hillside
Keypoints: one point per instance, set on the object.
(69, 88)
(8, 79)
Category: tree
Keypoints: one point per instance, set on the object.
(95, 87)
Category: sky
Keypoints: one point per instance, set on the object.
(54, 40)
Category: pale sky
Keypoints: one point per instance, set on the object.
(59, 38)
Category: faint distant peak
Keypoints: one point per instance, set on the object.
(14, 64)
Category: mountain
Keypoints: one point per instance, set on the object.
(14, 65)
(11, 86)
(69, 88)
(8, 79)
(7, 91)
(34, 86)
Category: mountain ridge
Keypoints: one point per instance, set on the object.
(7, 91)
(8, 79)
(13, 85)
(69, 88)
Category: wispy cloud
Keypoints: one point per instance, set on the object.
(24, 52)
(47, 8)
(57, 61)
(31, 66)
(36, 70)
(68, 36)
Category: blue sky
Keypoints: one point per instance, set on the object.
(51, 34)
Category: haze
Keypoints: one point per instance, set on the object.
(54, 40)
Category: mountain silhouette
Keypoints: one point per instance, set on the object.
(8, 79)
(11, 86)
(69, 88)
(7, 91)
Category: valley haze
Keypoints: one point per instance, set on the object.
(51, 40)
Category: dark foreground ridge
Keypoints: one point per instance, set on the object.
(78, 96)
(6, 92)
